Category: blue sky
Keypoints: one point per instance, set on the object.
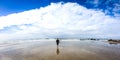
(16, 6)
(26, 19)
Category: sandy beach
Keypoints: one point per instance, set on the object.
(66, 50)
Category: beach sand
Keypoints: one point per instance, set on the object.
(66, 50)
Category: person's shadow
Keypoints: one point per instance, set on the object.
(57, 43)
(57, 50)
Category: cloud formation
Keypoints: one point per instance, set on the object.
(69, 20)
(110, 7)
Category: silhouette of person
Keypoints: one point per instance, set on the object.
(57, 50)
(57, 41)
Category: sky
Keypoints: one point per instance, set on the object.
(32, 19)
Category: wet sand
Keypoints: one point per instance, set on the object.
(66, 50)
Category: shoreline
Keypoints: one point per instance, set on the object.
(66, 50)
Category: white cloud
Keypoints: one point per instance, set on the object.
(60, 20)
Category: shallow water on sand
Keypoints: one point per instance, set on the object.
(66, 50)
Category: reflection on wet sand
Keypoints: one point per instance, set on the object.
(57, 50)
(65, 50)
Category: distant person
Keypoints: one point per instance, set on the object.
(57, 41)
(57, 50)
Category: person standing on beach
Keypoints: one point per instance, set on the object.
(57, 41)
(57, 50)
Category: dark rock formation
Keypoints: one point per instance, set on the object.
(111, 41)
